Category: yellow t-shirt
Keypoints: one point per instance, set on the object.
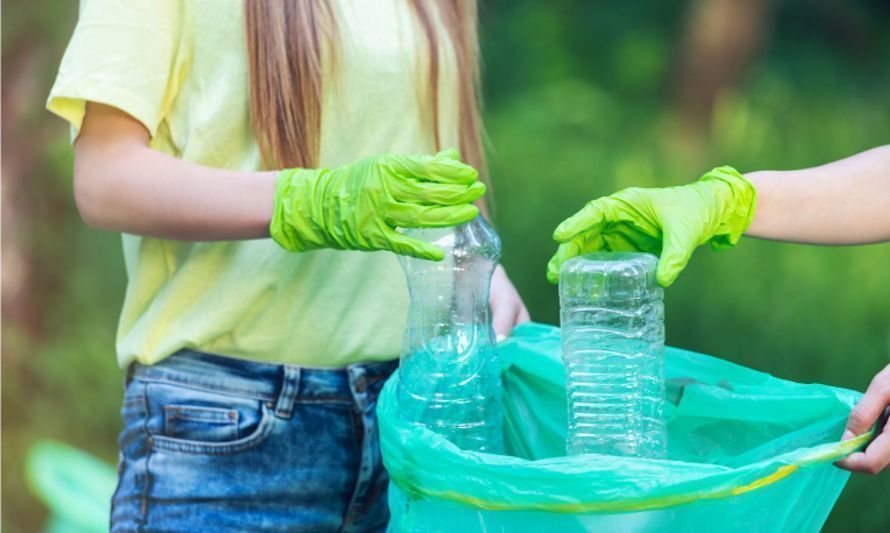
(180, 68)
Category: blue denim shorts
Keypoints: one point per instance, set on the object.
(212, 443)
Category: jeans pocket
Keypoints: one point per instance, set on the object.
(195, 422)
(191, 420)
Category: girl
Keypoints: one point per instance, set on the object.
(254, 364)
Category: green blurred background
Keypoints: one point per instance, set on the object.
(582, 98)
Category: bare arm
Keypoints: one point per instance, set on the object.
(121, 184)
(876, 456)
(844, 202)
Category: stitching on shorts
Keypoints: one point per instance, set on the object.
(121, 466)
(221, 417)
(331, 400)
(194, 384)
(210, 415)
(134, 401)
(143, 505)
(267, 425)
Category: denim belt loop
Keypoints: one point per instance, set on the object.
(290, 387)
(358, 384)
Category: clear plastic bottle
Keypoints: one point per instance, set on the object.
(449, 371)
(612, 319)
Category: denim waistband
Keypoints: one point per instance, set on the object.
(283, 384)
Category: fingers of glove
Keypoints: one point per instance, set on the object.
(591, 216)
(449, 153)
(676, 251)
(441, 168)
(403, 245)
(585, 243)
(620, 237)
(630, 238)
(428, 216)
(448, 168)
(565, 252)
(437, 193)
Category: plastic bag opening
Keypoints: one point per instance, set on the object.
(745, 450)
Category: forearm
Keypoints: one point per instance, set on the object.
(844, 202)
(144, 192)
(123, 185)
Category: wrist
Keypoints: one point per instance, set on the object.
(292, 225)
(259, 199)
(739, 199)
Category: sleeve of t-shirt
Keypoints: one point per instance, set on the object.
(123, 53)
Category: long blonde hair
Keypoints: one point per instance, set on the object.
(284, 43)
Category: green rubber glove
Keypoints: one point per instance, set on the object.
(359, 206)
(670, 222)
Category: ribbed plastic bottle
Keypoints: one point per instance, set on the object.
(449, 371)
(612, 319)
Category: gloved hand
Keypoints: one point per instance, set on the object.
(359, 206)
(671, 222)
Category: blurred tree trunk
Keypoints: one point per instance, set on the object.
(721, 40)
(37, 236)
(34, 205)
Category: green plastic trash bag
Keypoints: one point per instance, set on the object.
(75, 486)
(746, 452)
